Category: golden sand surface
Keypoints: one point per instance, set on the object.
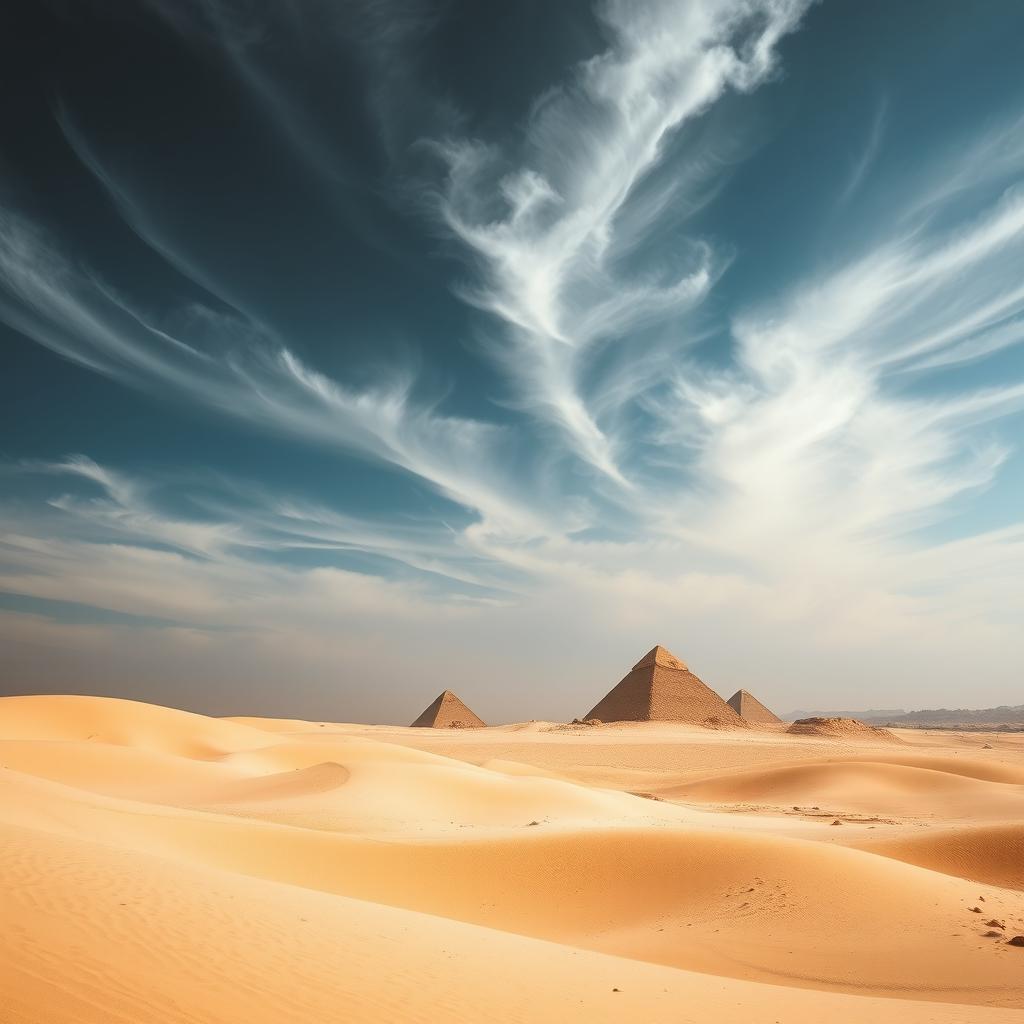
(160, 866)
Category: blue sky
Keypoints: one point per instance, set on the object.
(354, 351)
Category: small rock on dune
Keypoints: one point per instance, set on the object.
(1017, 940)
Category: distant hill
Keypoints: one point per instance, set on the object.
(1002, 715)
(936, 718)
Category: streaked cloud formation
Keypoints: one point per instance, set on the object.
(570, 215)
(789, 478)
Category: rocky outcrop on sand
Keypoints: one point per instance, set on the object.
(840, 728)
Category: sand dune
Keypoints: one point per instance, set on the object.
(285, 871)
(686, 898)
(94, 935)
(988, 853)
(125, 723)
(867, 787)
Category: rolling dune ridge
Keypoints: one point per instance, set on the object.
(162, 866)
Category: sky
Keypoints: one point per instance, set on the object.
(356, 349)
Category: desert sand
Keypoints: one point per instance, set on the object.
(160, 866)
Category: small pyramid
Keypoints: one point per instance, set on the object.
(661, 688)
(448, 712)
(749, 708)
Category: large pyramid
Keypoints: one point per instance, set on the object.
(448, 712)
(661, 688)
(749, 708)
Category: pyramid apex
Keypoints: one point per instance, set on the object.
(662, 656)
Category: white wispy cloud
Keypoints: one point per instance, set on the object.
(868, 154)
(248, 373)
(548, 232)
(811, 442)
(993, 158)
(380, 36)
(236, 522)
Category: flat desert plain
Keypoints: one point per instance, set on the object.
(160, 866)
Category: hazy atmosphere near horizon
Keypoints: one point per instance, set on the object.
(354, 350)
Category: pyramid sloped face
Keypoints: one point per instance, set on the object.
(448, 712)
(748, 707)
(658, 691)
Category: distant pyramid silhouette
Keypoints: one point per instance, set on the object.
(749, 708)
(448, 712)
(661, 688)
